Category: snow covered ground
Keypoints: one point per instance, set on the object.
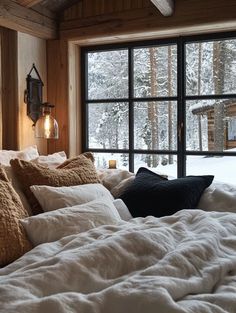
(223, 168)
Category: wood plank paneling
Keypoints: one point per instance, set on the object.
(17, 17)
(88, 8)
(75, 110)
(57, 64)
(30, 50)
(9, 87)
(190, 17)
(28, 3)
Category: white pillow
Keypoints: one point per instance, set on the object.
(219, 197)
(51, 160)
(54, 225)
(52, 198)
(112, 177)
(122, 209)
(26, 154)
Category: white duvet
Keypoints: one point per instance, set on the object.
(181, 263)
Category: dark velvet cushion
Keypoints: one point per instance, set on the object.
(152, 194)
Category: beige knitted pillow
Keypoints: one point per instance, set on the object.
(13, 240)
(75, 161)
(81, 171)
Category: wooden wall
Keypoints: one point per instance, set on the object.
(100, 21)
(58, 90)
(88, 8)
(9, 89)
(30, 50)
(18, 52)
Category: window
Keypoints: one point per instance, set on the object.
(169, 105)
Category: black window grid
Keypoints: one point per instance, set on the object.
(181, 98)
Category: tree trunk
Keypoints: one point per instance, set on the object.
(218, 77)
(199, 93)
(153, 109)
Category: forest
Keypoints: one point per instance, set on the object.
(210, 69)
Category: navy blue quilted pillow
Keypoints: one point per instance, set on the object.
(151, 194)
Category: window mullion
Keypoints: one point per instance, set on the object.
(131, 107)
(181, 164)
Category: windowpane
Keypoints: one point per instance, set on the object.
(102, 160)
(211, 67)
(108, 125)
(155, 71)
(209, 123)
(155, 125)
(159, 163)
(223, 168)
(108, 75)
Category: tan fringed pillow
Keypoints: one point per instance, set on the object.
(82, 171)
(13, 240)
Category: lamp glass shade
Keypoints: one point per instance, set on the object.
(46, 127)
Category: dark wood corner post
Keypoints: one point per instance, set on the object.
(9, 88)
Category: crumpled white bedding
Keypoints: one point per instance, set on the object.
(180, 263)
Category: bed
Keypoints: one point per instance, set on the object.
(87, 258)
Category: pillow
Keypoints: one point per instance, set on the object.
(13, 240)
(151, 194)
(51, 160)
(26, 154)
(122, 186)
(112, 177)
(122, 209)
(54, 225)
(15, 184)
(52, 198)
(30, 174)
(72, 162)
(219, 197)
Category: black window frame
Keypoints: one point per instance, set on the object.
(181, 97)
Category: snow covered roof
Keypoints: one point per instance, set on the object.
(204, 107)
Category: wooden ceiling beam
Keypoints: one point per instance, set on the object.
(26, 20)
(166, 7)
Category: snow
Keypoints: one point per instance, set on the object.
(155, 122)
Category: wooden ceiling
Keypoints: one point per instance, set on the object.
(166, 7)
(52, 5)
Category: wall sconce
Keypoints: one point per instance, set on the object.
(44, 124)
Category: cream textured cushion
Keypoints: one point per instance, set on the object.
(51, 160)
(112, 177)
(52, 198)
(54, 225)
(26, 154)
(13, 240)
(28, 174)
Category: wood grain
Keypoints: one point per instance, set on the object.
(19, 18)
(57, 61)
(190, 17)
(28, 3)
(9, 89)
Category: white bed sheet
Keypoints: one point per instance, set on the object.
(180, 263)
